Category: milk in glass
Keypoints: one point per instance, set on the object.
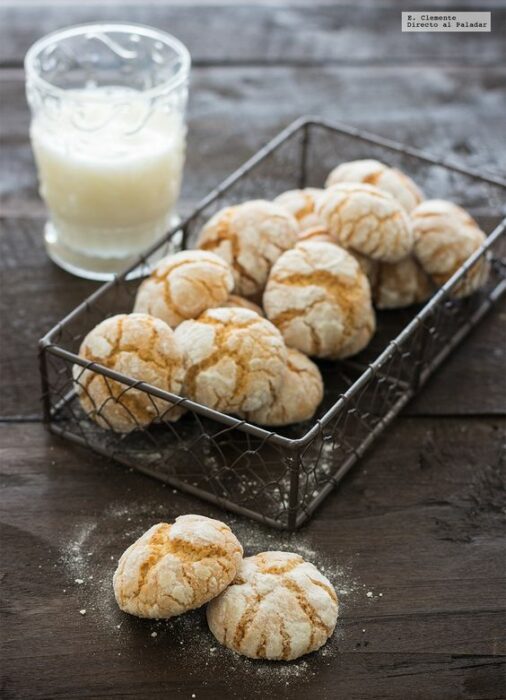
(110, 166)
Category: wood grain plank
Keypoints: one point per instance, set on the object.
(421, 521)
(319, 33)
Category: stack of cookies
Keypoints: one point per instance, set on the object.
(233, 324)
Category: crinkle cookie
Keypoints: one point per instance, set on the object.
(250, 237)
(367, 220)
(316, 233)
(234, 300)
(373, 172)
(400, 284)
(278, 607)
(143, 348)
(320, 233)
(184, 285)
(302, 204)
(235, 360)
(176, 567)
(445, 236)
(298, 397)
(319, 298)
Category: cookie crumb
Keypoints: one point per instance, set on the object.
(79, 581)
(83, 611)
(369, 594)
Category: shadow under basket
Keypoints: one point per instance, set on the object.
(280, 477)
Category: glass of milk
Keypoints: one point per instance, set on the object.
(108, 134)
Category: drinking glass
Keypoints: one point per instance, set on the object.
(108, 134)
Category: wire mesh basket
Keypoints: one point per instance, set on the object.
(280, 477)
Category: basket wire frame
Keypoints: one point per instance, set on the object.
(280, 477)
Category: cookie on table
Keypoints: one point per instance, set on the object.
(250, 237)
(234, 359)
(184, 285)
(445, 236)
(366, 220)
(302, 204)
(143, 348)
(235, 300)
(278, 607)
(400, 284)
(298, 397)
(319, 298)
(176, 567)
(373, 172)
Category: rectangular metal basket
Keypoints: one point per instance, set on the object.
(280, 477)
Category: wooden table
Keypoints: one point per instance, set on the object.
(420, 524)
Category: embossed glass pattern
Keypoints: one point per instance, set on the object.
(108, 134)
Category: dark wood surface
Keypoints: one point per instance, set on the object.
(421, 521)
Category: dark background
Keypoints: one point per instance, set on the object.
(421, 521)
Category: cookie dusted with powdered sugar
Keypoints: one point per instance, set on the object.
(400, 284)
(445, 237)
(176, 567)
(320, 299)
(278, 607)
(234, 359)
(366, 220)
(141, 347)
(235, 300)
(302, 204)
(298, 397)
(250, 237)
(184, 285)
(373, 172)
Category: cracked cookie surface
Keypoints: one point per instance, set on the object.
(320, 299)
(184, 285)
(400, 284)
(298, 397)
(302, 205)
(373, 172)
(250, 237)
(234, 359)
(445, 236)
(141, 347)
(235, 300)
(176, 567)
(366, 220)
(278, 607)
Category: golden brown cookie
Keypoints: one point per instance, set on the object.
(141, 347)
(250, 237)
(302, 204)
(184, 285)
(298, 397)
(234, 359)
(367, 220)
(235, 300)
(400, 284)
(373, 172)
(278, 607)
(445, 236)
(176, 567)
(319, 298)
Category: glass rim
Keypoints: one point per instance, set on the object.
(35, 49)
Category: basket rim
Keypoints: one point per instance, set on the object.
(48, 345)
